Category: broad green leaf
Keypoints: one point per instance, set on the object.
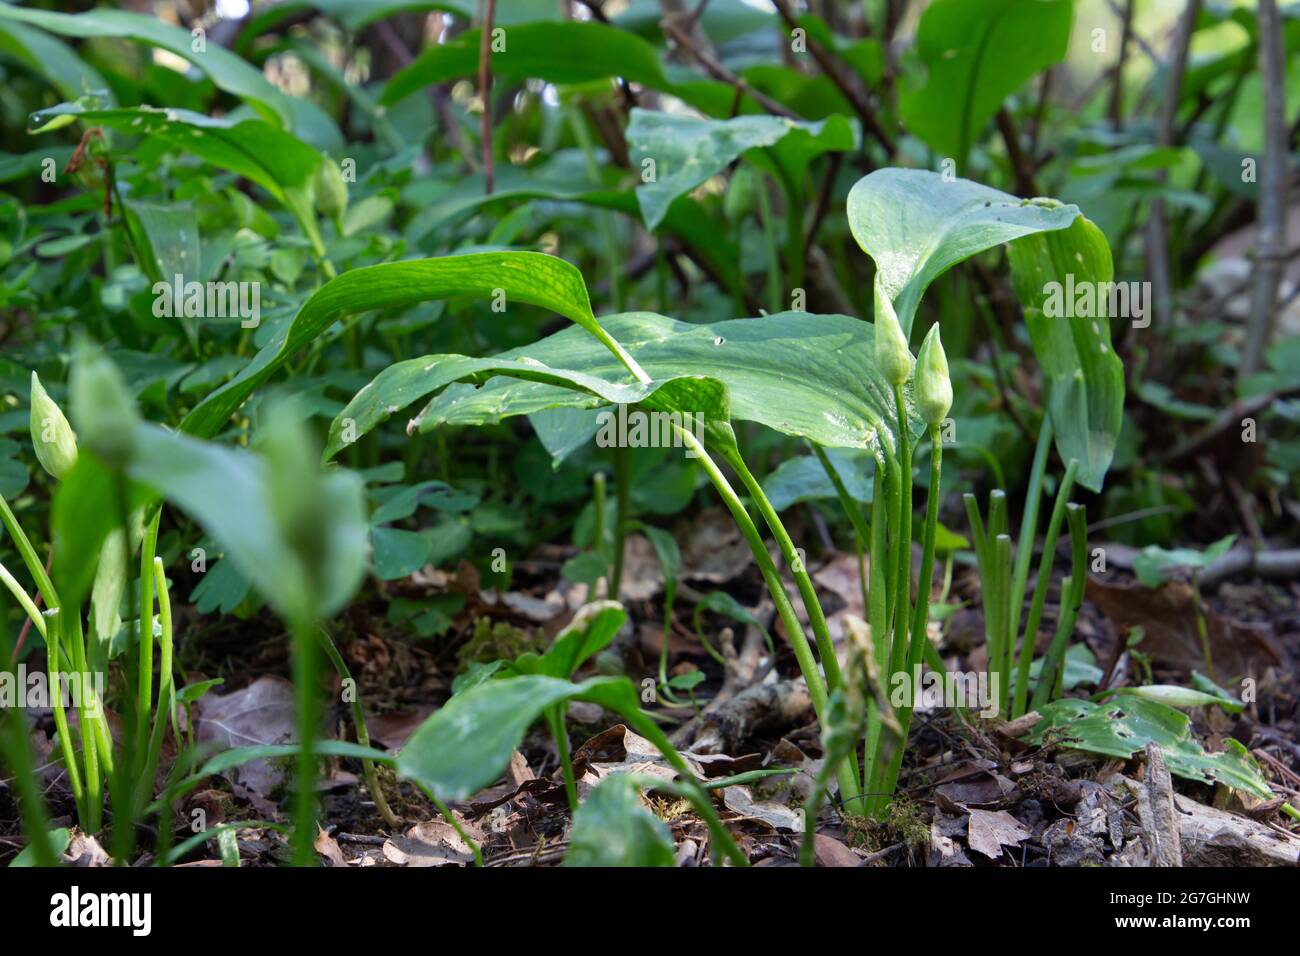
(403, 383)
(916, 225)
(52, 59)
(687, 219)
(568, 52)
(681, 152)
(1153, 563)
(528, 277)
(667, 552)
(168, 237)
(465, 745)
(1072, 341)
(277, 161)
(1120, 728)
(355, 14)
(561, 430)
(807, 375)
(589, 633)
(397, 552)
(84, 512)
(228, 491)
(803, 478)
(1180, 697)
(613, 827)
(976, 53)
(59, 840)
(227, 71)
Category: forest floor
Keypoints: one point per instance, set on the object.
(973, 792)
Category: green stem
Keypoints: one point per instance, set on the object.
(555, 718)
(1040, 587)
(849, 789)
(362, 731)
(1029, 520)
(816, 617)
(144, 702)
(919, 638)
(877, 614)
(306, 709)
(16, 756)
(903, 545)
(622, 497)
(1072, 589)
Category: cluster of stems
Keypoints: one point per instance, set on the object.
(1004, 575)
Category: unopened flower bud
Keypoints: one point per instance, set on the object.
(331, 190)
(893, 357)
(933, 387)
(52, 436)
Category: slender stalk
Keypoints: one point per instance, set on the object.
(20, 595)
(1029, 520)
(144, 701)
(452, 819)
(362, 731)
(903, 585)
(28, 554)
(877, 613)
(16, 756)
(1072, 589)
(849, 789)
(1040, 587)
(598, 504)
(816, 617)
(622, 498)
(919, 640)
(54, 651)
(555, 718)
(306, 709)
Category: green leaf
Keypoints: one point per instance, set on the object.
(916, 226)
(1153, 563)
(590, 632)
(572, 52)
(59, 840)
(585, 567)
(976, 53)
(466, 744)
(528, 277)
(277, 161)
(227, 71)
(169, 240)
(52, 59)
(398, 553)
(803, 478)
(806, 375)
(1180, 697)
(1073, 344)
(228, 491)
(1122, 728)
(685, 152)
(222, 588)
(613, 827)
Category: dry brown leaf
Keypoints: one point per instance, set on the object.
(329, 848)
(435, 843)
(741, 801)
(831, 852)
(988, 831)
(261, 713)
(1167, 616)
